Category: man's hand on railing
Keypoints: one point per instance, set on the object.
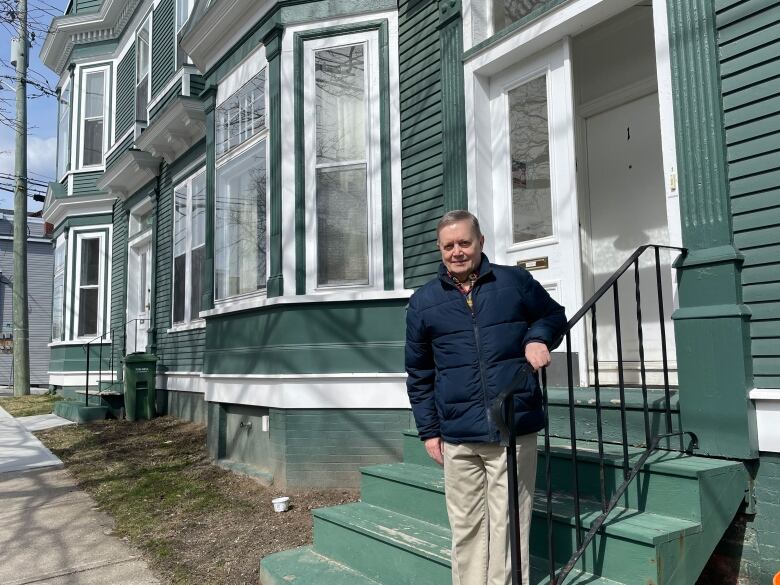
(537, 354)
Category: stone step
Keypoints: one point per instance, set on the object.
(399, 550)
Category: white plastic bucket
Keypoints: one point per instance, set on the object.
(280, 504)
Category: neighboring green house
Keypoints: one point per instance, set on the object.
(248, 192)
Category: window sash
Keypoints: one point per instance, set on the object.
(240, 239)
(343, 184)
(242, 115)
(188, 247)
(90, 281)
(93, 128)
(63, 146)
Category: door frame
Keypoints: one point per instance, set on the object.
(143, 237)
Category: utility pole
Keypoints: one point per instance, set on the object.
(21, 319)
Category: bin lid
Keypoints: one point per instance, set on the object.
(139, 357)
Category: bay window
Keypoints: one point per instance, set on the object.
(240, 238)
(189, 244)
(63, 131)
(143, 67)
(93, 125)
(58, 292)
(343, 180)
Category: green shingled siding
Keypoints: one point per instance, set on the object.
(163, 45)
(421, 137)
(125, 93)
(119, 280)
(749, 44)
(181, 351)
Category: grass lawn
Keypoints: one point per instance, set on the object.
(29, 405)
(194, 521)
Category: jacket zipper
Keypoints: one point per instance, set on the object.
(479, 356)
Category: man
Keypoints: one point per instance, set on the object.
(469, 332)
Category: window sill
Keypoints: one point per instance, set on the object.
(191, 326)
(239, 305)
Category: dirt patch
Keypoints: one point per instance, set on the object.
(195, 522)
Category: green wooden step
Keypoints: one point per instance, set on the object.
(670, 483)
(303, 566)
(399, 550)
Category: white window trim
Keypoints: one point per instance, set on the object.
(233, 81)
(288, 139)
(86, 71)
(146, 20)
(373, 159)
(104, 295)
(189, 321)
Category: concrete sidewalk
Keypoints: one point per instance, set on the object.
(50, 531)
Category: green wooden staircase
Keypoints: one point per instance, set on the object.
(666, 528)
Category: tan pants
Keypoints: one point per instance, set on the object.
(475, 485)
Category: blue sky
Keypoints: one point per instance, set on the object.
(41, 112)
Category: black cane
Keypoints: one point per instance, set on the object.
(514, 512)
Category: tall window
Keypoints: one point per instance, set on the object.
(189, 244)
(143, 67)
(94, 115)
(240, 226)
(58, 294)
(63, 131)
(343, 158)
(183, 11)
(89, 286)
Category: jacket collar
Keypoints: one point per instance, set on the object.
(484, 269)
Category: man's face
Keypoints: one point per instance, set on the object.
(460, 248)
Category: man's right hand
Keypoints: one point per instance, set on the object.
(433, 446)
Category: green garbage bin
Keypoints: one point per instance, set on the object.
(140, 391)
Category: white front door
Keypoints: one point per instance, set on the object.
(627, 209)
(534, 206)
(139, 280)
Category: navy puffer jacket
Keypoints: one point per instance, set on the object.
(458, 360)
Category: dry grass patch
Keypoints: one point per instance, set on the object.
(29, 405)
(196, 522)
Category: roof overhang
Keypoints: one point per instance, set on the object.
(58, 209)
(131, 171)
(207, 39)
(67, 31)
(175, 129)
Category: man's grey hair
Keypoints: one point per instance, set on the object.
(455, 216)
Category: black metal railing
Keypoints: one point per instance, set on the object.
(100, 340)
(88, 350)
(503, 412)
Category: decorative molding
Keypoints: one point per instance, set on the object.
(698, 112)
(59, 209)
(175, 129)
(65, 32)
(131, 171)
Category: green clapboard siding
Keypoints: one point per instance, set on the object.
(163, 45)
(421, 136)
(119, 280)
(73, 358)
(311, 338)
(181, 351)
(86, 183)
(125, 93)
(749, 47)
(86, 6)
(120, 150)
